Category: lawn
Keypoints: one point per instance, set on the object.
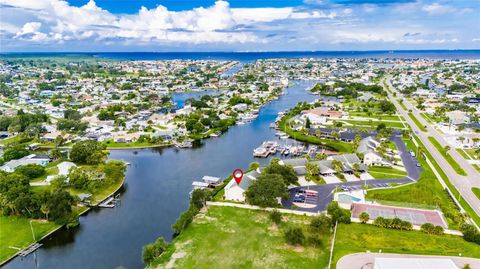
(374, 123)
(117, 145)
(447, 156)
(332, 144)
(419, 125)
(228, 237)
(10, 140)
(426, 192)
(353, 238)
(15, 233)
(386, 172)
(376, 116)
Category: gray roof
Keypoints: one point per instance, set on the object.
(366, 145)
(346, 158)
(295, 162)
(300, 170)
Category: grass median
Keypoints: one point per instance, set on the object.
(458, 169)
(418, 123)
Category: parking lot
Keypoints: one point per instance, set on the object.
(325, 192)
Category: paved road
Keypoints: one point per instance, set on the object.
(366, 260)
(463, 184)
(325, 191)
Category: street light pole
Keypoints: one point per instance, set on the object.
(33, 233)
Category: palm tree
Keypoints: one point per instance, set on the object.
(447, 148)
(364, 217)
(337, 166)
(45, 210)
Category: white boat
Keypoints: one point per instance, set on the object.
(216, 134)
(261, 152)
(185, 144)
(285, 136)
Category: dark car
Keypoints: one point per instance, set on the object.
(299, 199)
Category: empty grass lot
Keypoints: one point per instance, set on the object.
(228, 237)
(15, 233)
(419, 125)
(447, 156)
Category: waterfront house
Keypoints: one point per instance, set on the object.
(236, 192)
(10, 166)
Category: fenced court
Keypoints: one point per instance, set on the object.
(412, 215)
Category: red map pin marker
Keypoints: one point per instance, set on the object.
(238, 175)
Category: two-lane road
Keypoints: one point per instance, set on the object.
(463, 184)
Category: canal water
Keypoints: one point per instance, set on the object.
(158, 182)
(180, 98)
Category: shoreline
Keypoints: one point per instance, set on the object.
(83, 212)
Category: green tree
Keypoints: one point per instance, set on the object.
(321, 223)
(15, 153)
(294, 236)
(265, 189)
(199, 198)
(31, 170)
(254, 166)
(184, 220)
(286, 172)
(88, 151)
(154, 250)
(276, 217)
(338, 214)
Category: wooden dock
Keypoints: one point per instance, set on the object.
(108, 203)
(29, 250)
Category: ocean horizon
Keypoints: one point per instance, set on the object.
(249, 56)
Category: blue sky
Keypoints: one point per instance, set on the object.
(238, 25)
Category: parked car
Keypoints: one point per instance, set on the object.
(299, 199)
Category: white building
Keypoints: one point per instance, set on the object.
(236, 192)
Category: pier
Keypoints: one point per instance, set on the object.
(29, 250)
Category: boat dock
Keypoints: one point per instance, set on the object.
(29, 250)
(110, 202)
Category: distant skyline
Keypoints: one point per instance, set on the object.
(236, 25)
